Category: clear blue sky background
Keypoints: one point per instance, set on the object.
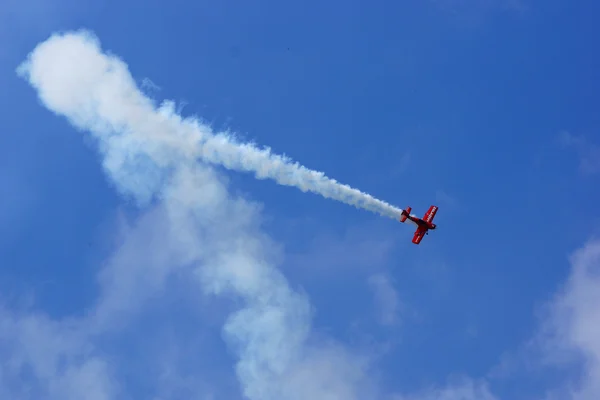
(455, 103)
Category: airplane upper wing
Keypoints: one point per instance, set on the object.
(419, 233)
(430, 214)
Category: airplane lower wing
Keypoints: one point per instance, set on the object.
(419, 234)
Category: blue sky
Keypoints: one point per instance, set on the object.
(224, 285)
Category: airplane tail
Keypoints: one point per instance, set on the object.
(405, 214)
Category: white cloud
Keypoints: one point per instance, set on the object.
(198, 230)
(570, 336)
(387, 300)
(567, 341)
(41, 358)
(588, 152)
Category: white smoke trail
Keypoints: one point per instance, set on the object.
(150, 152)
(126, 109)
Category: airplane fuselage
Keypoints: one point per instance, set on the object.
(421, 223)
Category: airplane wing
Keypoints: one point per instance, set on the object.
(419, 233)
(430, 214)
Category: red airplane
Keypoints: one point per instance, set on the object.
(423, 225)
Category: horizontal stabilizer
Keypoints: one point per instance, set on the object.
(405, 214)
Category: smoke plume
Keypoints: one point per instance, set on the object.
(103, 95)
(152, 153)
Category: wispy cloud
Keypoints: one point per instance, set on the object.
(42, 358)
(567, 341)
(149, 85)
(197, 229)
(571, 332)
(588, 152)
(386, 298)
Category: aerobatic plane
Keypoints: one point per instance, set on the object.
(423, 225)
